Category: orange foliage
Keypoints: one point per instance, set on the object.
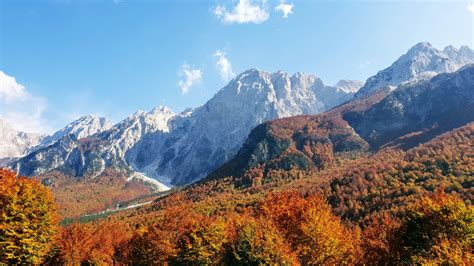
(87, 243)
(313, 232)
(76, 197)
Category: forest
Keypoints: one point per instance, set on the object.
(391, 207)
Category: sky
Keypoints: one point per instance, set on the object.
(62, 59)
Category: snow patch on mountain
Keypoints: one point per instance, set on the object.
(157, 186)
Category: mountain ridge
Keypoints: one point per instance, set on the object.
(178, 149)
(170, 147)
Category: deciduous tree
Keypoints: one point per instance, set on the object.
(28, 220)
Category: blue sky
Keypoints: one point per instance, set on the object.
(112, 57)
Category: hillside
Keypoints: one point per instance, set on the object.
(357, 187)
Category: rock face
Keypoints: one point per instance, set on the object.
(422, 61)
(407, 116)
(15, 143)
(179, 149)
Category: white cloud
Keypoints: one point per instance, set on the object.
(246, 11)
(10, 90)
(191, 77)
(223, 66)
(22, 110)
(470, 7)
(286, 9)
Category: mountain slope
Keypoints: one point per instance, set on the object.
(422, 61)
(440, 104)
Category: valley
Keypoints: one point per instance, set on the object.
(273, 169)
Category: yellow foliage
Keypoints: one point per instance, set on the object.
(28, 220)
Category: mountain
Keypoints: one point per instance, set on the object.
(14, 143)
(349, 86)
(422, 61)
(93, 154)
(405, 117)
(213, 133)
(179, 149)
(83, 127)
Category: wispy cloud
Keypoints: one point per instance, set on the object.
(470, 7)
(286, 9)
(22, 110)
(246, 11)
(223, 65)
(364, 64)
(190, 76)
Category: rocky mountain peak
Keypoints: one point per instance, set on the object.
(349, 86)
(83, 127)
(420, 62)
(421, 47)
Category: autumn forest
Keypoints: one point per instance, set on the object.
(392, 207)
(236, 132)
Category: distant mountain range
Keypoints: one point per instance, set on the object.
(14, 143)
(178, 149)
(182, 148)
